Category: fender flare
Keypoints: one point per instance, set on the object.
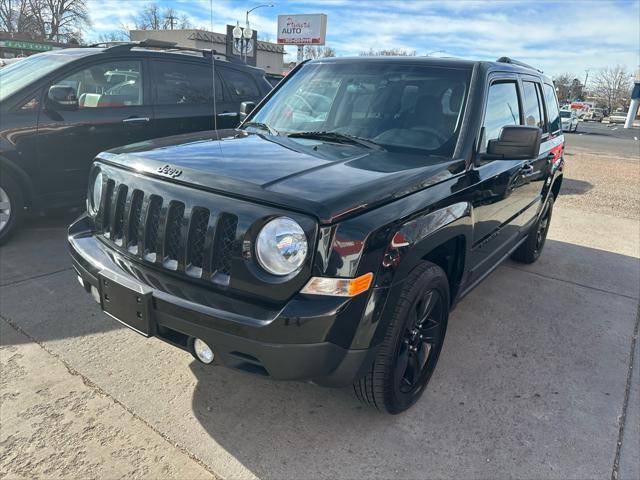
(25, 183)
(408, 246)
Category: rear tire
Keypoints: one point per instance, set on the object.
(532, 247)
(408, 355)
(11, 207)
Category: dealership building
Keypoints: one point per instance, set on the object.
(265, 55)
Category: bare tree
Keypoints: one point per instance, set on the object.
(397, 52)
(562, 83)
(613, 87)
(319, 52)
(149, 18)
(114, 36)
(152, 17)
(16, 16)
(60, 20)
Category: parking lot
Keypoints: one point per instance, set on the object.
(536, 378)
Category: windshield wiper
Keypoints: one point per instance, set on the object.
(261, 126)
(336, 137)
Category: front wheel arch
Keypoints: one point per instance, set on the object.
(21, 178)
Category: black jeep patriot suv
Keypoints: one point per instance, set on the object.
(328, 237)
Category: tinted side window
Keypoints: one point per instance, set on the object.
(112, 84)
(532, 112)
(502, 109)
(240, 84)
(553, 115)
(183, 83)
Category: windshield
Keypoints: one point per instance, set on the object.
(395, 105)
(22, 73)
(565, 114)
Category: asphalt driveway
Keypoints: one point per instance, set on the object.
(535, 380)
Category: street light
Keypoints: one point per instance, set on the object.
(248, 33)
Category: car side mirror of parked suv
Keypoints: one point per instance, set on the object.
(62, 97)
(516, 142)
(245, 109)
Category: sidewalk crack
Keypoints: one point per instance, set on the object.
(623, 417)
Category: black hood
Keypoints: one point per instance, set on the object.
(326, 180)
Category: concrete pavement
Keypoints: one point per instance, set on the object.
(532, 382)
(56, 424)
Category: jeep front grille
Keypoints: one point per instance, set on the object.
(173, 234)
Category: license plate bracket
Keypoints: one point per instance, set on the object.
(126, 301)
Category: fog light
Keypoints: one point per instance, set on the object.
(202, 351)
(95, 294)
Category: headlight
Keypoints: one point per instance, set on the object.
(281, 247)
(96, 194)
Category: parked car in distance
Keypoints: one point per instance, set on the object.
(327, 240)
(618, 117)
(569, 120)
(59, 109)
(594, 114)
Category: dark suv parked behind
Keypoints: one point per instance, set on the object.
(59, 109)
(329, 236)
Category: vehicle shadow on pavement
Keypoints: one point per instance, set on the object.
(38, 248)
(572, 186)
(531, 381)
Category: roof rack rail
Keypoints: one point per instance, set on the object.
(157, 44)
(516, 62)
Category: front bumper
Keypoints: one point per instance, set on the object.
(308, 338)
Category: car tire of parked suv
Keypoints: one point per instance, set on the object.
(532, 247)
(409, 352)
(11, 206)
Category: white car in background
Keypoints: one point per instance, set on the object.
(569, 120)
(618, 117)
(594, 114)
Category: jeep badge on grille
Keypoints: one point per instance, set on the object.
(169, 171)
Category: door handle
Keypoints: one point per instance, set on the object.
(135, 120)
(228, 114)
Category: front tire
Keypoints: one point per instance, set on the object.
(11, 207)
(408, 355)
(532, 247)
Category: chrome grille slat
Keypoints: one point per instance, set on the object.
(133, 221)
(172, 233)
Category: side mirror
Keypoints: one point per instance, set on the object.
(62, 97)
(245, 109)
(516, 142)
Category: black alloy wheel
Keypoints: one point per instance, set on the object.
(407, 357)
(418, 350)
(532, 247)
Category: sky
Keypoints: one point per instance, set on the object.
(568, 36)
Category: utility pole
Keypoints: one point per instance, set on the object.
(586, 77)
(171, 19)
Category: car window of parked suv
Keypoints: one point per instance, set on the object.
(110, 84)
(240, 84)
(185, 83)
(28, 70)
(502, 109)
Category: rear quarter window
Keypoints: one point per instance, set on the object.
(553, 114)
(240, 84)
